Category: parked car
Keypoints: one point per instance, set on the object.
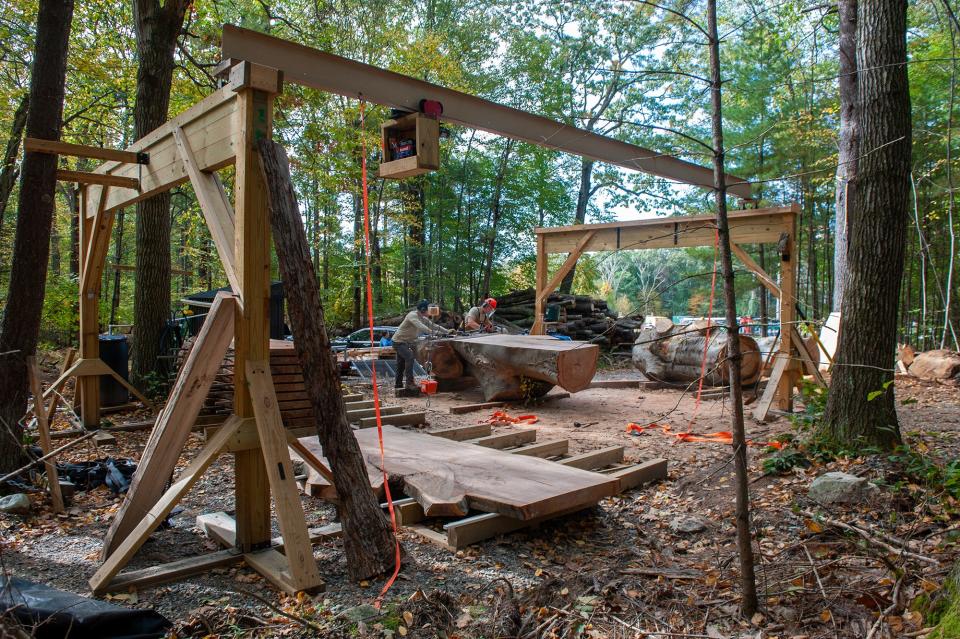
(361, 338)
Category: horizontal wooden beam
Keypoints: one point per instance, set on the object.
(746, 227)
(327, 72)
(84, 177)
(55, 147)
(209, 125)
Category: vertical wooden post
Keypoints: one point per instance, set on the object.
(788, 315)
(538, 308)
(252, 326)
(88, 388)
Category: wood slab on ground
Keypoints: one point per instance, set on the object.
(450, 478)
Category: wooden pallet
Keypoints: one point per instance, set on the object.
(456, 533)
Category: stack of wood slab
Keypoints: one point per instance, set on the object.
(581, 317)
(295, 407)
(486, 484)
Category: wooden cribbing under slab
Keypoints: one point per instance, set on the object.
(450, 478)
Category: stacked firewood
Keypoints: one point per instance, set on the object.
(581, 317)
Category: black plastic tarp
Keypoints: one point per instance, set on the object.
(48, 613)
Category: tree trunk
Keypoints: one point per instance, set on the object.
(117, 258)
(356, 314)
(849, 143)
(525, 366)
(495, 210)
(583, 200)
(35, 208)
(748, 584)
(877, 221)
(369, 543)
(74, 201)
(157, 29)
(9, 172)
(677, 355)
(444, 361)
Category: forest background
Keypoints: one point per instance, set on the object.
(619, 68)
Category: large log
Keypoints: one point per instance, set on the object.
(677, 355)
(526, 366)
(444, 361)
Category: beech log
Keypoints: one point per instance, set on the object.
(512, 367)
(678, 355)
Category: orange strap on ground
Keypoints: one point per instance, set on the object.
(718, 437)
(502, 418)
(373, 369)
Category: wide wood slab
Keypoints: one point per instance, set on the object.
(451, 478)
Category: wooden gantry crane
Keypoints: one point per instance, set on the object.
(220, 131)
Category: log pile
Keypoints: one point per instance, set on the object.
(581, 317)
(677, 355)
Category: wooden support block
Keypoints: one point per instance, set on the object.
(460, 433)
(401, 419)
(357, 405)
(136, 579)
(103, 438)
(595, 458)
(354, 416)
(277, 570)
(506, 440)
(615, 383)
(408, 511)
(552, 448)
(222, 528)
(470, 530)
(650, 470)
(352, 397)
(469, 408)
(98, 178)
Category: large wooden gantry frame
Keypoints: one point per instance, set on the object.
(219, 131)
(777, 225)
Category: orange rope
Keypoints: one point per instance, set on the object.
(373, 369)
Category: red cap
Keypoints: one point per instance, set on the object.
(492, 303)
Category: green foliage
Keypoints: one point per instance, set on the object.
(918, 467)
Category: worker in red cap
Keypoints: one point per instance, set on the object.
(478, 317)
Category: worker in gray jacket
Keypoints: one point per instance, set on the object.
(416, 323)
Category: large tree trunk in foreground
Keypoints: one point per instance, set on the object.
(35, 206)
(527, 366)
(157, 31)
(748, 582)
(878, 215)
(677, 355)
(369, 543)
(848, 143)
(8, 172)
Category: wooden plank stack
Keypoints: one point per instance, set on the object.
(581, 317)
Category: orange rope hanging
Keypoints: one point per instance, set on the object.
(373, 369)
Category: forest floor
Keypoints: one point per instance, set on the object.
(621, 569)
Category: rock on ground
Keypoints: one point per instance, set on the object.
(841, 488)
(17, 504)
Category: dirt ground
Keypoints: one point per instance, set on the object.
(619, 570)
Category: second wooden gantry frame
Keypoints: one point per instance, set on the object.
(774, 225)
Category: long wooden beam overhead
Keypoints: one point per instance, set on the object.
(328, 72)
(746, 227)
